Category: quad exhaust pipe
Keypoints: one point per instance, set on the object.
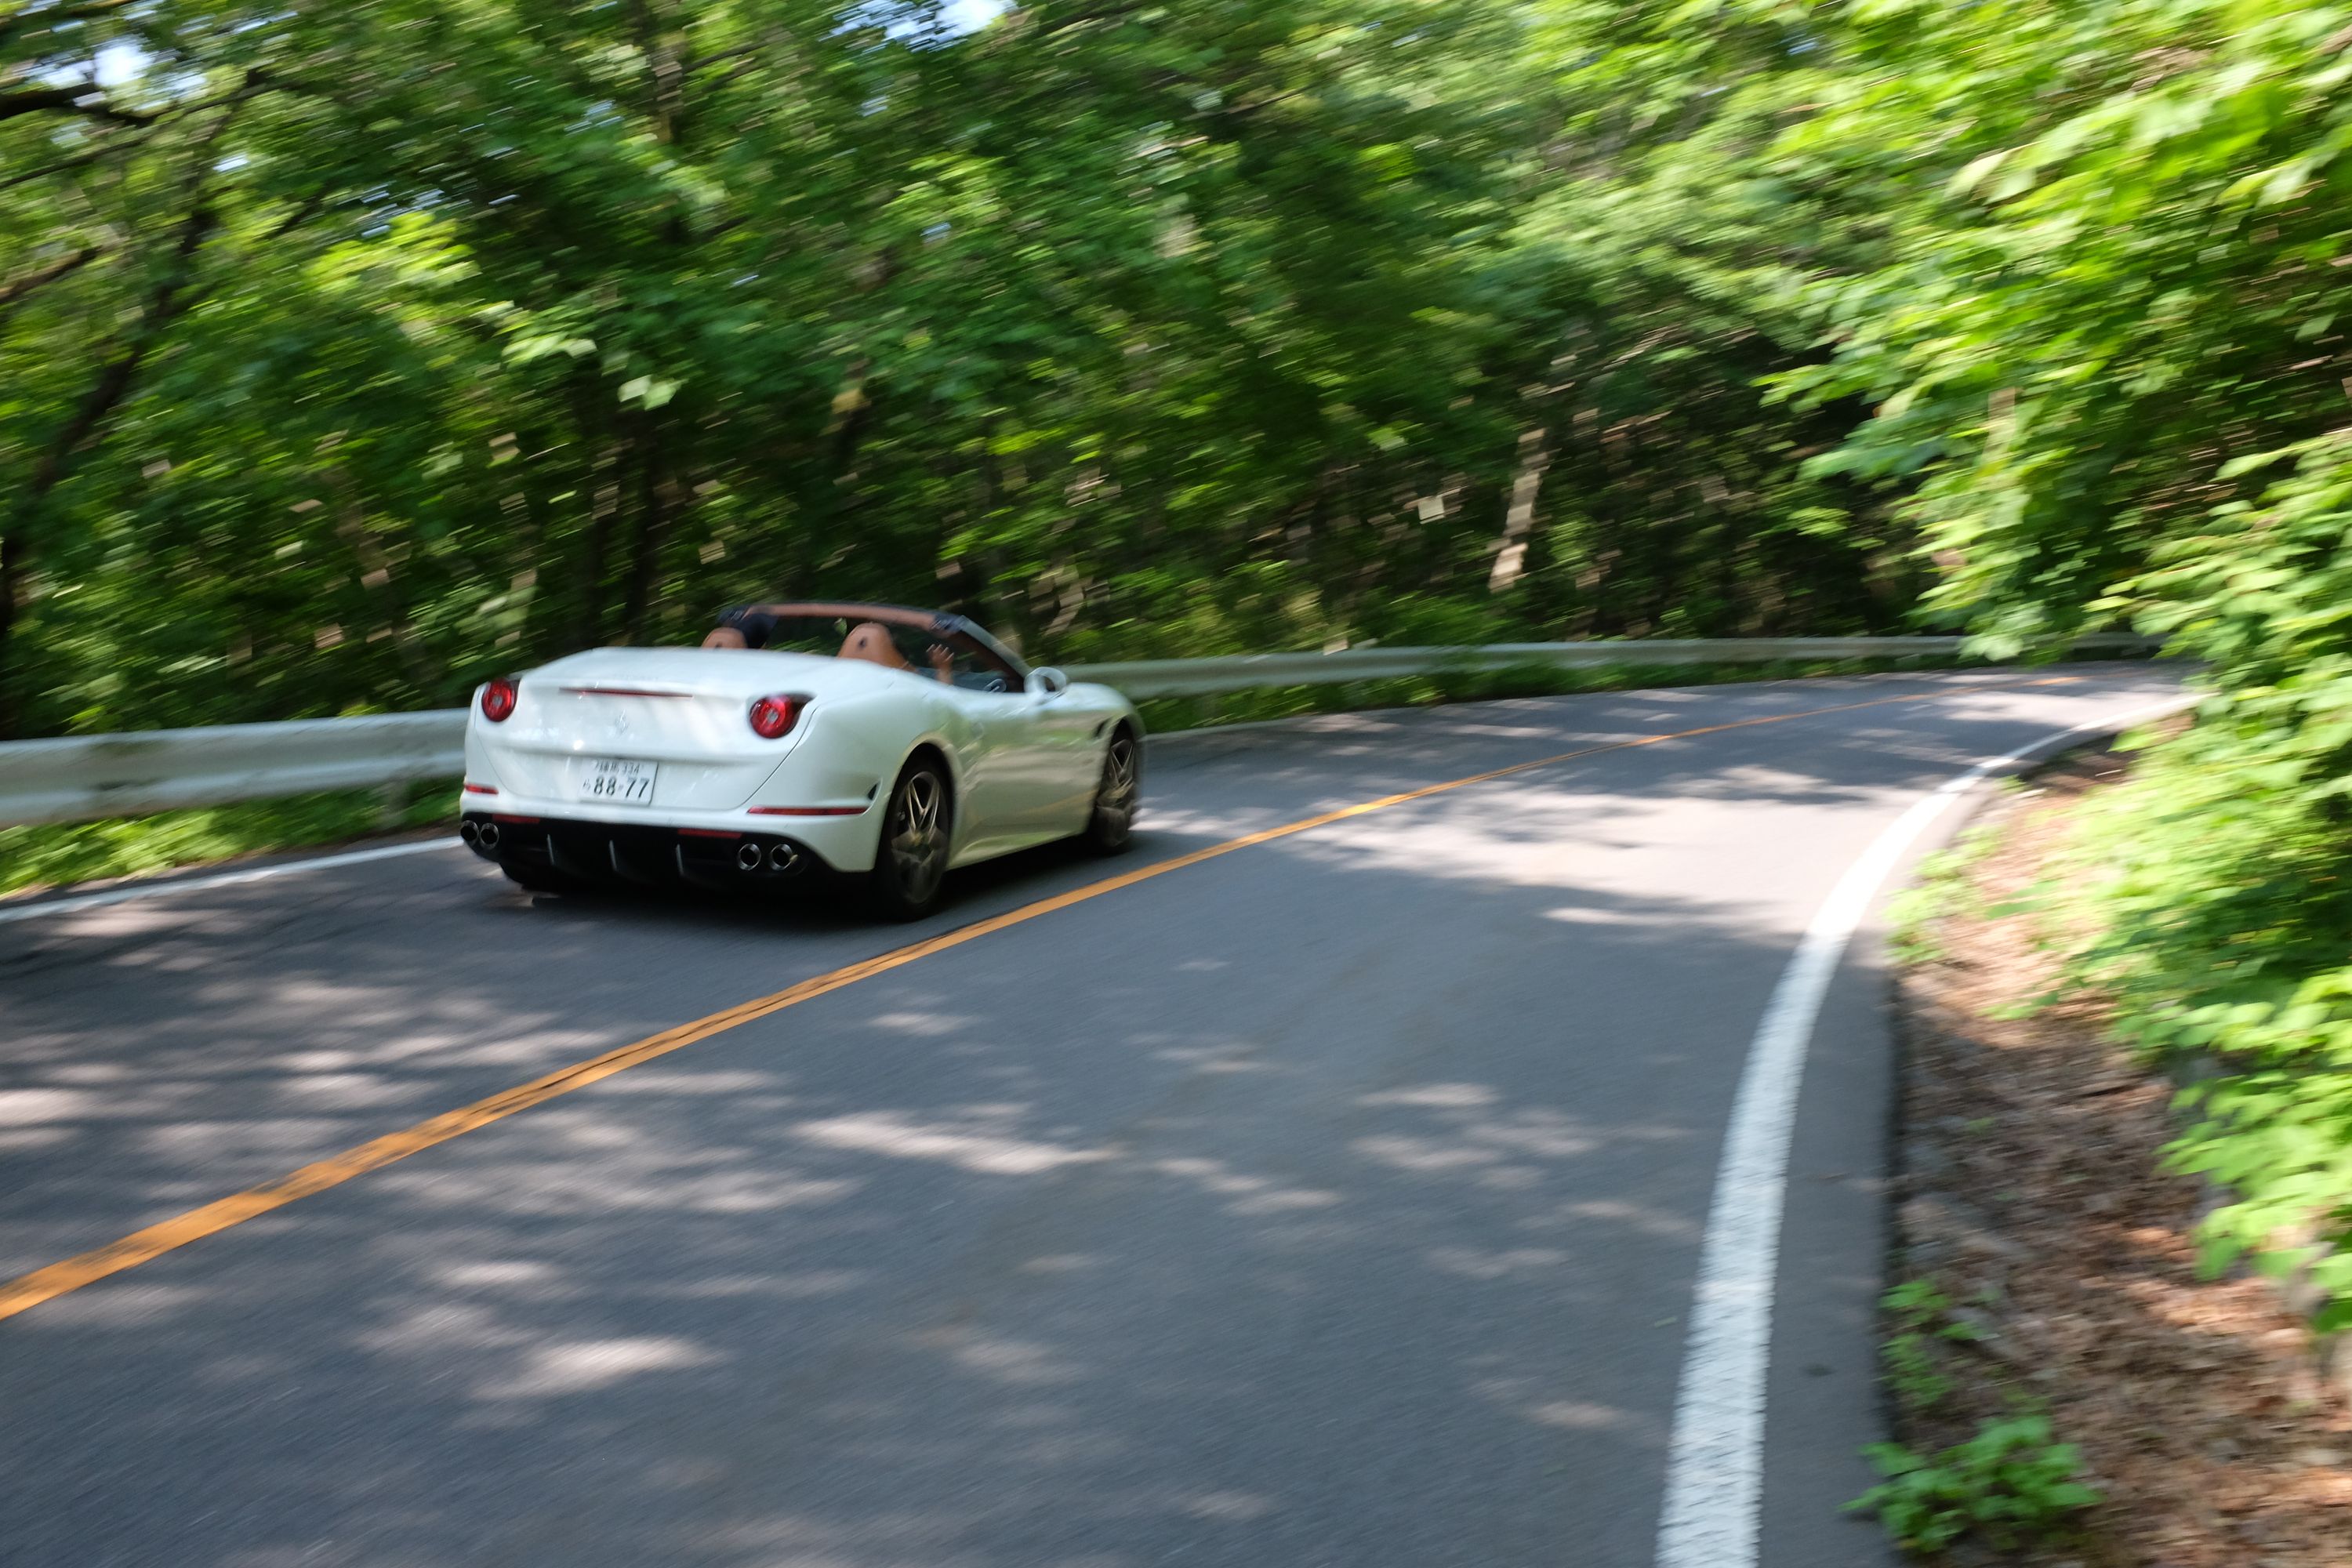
(468, 835)
(489, 836)
(775, 858)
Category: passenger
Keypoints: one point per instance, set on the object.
(741, 627)
(871, 642)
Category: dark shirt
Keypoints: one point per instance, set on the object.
(756, 626)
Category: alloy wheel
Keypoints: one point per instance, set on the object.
(1121, 780)
(919, 834)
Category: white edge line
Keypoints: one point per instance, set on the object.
(1715, 1464)
(221, 879)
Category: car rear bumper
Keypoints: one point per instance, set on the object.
(646, 853)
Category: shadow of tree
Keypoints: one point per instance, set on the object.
(1333, 1203)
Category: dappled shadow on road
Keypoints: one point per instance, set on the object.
(1330, 1204)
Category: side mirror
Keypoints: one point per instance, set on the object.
(1049, 682)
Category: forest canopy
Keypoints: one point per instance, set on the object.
(350, 352)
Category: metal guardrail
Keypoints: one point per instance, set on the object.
(80, 777)
(1248, 671)
(83, 777)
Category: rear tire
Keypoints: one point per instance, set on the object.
(1112, 825)
(910, 862)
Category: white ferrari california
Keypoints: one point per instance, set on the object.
(875, 742)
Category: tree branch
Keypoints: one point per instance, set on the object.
(164, 304)
(15, 289)
(81, 99)
(255, 81)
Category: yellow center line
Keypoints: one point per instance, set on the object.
(29, 1290)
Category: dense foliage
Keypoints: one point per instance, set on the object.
(2111, 355)
(350, 352)
(2116, 356)
(2223, 874)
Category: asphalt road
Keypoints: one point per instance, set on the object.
(1335, 1201)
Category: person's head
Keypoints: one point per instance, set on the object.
(724, 637)
(870, 640)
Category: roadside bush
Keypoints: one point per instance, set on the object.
(2008, 1483)
(1920, 1315)
(2220, 877)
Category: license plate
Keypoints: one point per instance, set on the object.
(609, 781)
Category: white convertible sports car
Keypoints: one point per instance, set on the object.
(878, 743)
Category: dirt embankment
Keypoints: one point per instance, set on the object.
(2031, 1193)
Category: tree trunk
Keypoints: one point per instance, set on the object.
(653, 528)
(601, 485)
(382, 583)
(1518, 520)
(13, 554)
(602, 499)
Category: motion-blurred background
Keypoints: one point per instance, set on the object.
(353, 350)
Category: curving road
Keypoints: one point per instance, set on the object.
(1337, 1200)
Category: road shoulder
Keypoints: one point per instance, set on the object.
(2030, 1195)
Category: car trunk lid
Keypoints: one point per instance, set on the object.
(684, 710)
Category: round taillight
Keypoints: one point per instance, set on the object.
(499, 700)
(775, 716)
